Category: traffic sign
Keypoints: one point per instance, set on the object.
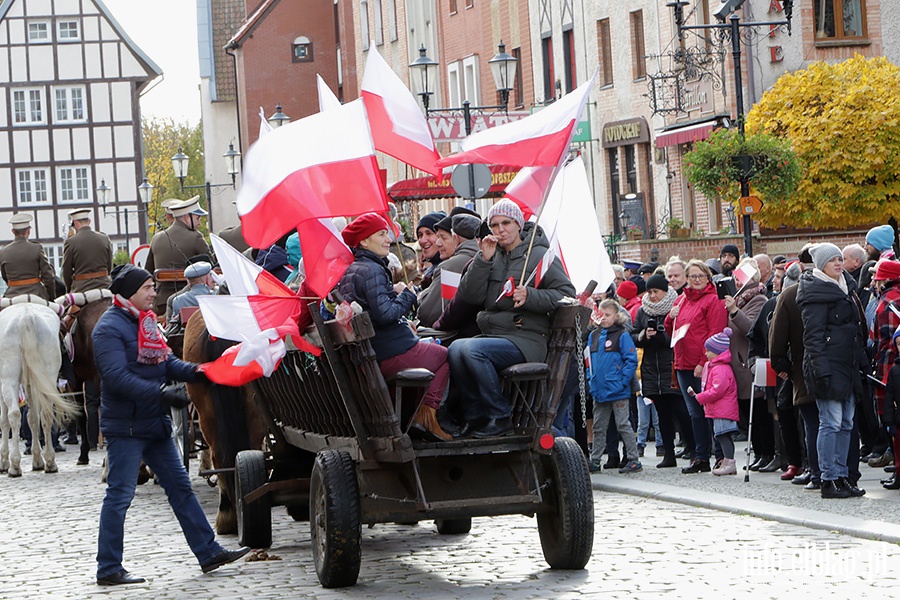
(140, 255)
(463, 183)
(750, 205)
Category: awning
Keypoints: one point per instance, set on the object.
(424, 188)
(685, 135)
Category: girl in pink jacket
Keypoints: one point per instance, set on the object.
(720, 398)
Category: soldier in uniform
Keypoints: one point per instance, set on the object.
(200, 282)
(171, 248)
(23, 264)
(167, 205)
(87, 255)
(235, 237)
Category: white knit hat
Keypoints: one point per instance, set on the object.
(507, 208)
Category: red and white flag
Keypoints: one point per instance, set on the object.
(321, 166)
(546, 261)
(247, 318)
(237, 366)
(541, 139)
(449, 284)
(243, 276)
(325, 255)
(765, 375)
(744, 274)
(398, 126)
(528, 188)
(327, 99)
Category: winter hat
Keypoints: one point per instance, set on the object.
(627, 290)
(507, 208)
(429, 220)
(881, 238)
(462, 210)
(127, 280)
(647, 268)
(657, 282)
(364, 226)
(887, 270)
(720, 342)
(822, 253)
(730, 249)
(445, 224)
(466, 226)
(714, 265)
(791, 275)
(896, 335)
(294, 252)
(639, 282)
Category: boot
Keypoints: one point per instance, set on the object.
(667, 461)
(425, 423)
(728, 466)
(771, 466)
(762, 462)
(831, 489)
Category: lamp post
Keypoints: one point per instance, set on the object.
(145, 194)
(423, 76)
(278, 118)
(733, 29)
(180, 162)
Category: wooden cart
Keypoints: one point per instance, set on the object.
(340, 456)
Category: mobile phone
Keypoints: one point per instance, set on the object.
(726, 287)
(691, 391)
(651, 324)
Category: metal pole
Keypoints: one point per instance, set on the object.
(209, 219)
(739, 101)
(467, 122)
(127, 235)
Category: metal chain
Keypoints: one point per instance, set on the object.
(579, 346)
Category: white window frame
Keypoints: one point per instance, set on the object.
(392, 20)
(67, 113)
(26, 186)
(74, 183)
(68, 38)
(470, 79)
(455, 84)
(54, 254)
(364, 24)
(27, 101)
(379, 23)
(39, 40)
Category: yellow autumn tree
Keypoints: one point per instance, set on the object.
(843, 121)
(162, 139)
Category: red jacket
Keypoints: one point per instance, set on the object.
(719, 396)
(705, 313)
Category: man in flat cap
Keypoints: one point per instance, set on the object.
(457, 246)
(200, 283)
(171, 248)
(87, 255)
(23, 264)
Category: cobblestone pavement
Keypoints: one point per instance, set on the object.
(644, 548)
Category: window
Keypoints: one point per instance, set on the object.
(69, 104)
(604, 51)
(840, 19)
(74, 185)
(67, 31)
(39, 31)
(454, 84)
(453, 7)
(392, 20)
(470, 3)
(364, 24)
(569, 59)
(470, 75)
(54, 254)
(639, 65)
(549, 75)
(28, 106)
(32, 186)
(379, 24)
(519, 98)
(301, 49)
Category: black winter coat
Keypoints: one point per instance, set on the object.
(892, 395)
(656, 364)
(368, 282)
(833, 339)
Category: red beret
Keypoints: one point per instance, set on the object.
(362, 227)
(627, 290)
(886, 270)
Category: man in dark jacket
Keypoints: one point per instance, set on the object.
(456, 246)
(134, 364)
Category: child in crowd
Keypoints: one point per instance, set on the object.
(719, 397)
(613, 363)
(892, 412)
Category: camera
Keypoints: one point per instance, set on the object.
(655, 325)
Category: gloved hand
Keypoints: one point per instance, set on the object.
(174, 395)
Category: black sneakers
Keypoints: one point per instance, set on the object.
(697, 466)
(832, 489)
(122, 577)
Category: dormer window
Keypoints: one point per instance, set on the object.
(302, 50)
(39, 31)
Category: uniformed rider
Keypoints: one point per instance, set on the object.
(171, 248)
(87, 255)
(23, 264)
(200, 283)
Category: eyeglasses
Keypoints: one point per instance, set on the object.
(697, 277)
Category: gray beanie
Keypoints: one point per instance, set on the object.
(466, 226)
(791, 276)
(824, 252)
(507, 208)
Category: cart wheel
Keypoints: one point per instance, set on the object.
(567, 532)
(453, 526)
(335, 519)
(254, 520)
(181, 433)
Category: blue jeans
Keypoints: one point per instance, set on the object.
(124, 456)
(833, 443)
(475, 365)
(809, 413)
(699, 423)
(646, 415)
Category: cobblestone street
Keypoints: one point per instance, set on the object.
(643, 548)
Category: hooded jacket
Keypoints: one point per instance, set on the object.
(719, 396)
(528, 325)
(613, 364)
(833, 338)
(706, 314)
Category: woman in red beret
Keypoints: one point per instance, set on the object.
(368, 282)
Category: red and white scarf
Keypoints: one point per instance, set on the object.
(152, 348)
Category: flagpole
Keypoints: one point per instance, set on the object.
(538, 219)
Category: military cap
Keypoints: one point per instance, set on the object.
(197, 269)
(79, 213)
(21, 221)
(188, 207)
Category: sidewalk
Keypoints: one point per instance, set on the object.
(874, 516)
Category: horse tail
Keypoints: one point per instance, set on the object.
(41, 359)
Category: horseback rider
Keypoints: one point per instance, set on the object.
(87, 255)
(23, 263)
(171, 248)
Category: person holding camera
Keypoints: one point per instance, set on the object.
(135, 365)
(658, 382)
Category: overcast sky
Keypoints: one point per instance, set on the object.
(166, 30)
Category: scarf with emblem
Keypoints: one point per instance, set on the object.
(152, 348)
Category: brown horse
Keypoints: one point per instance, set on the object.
(87, 379)
(228, 418)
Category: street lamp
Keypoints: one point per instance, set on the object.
(500, 69)
(278, 118)
(145, 193)
(624, 221)
(729, 212)
(733, 28)
(423, 76)
(232, 166)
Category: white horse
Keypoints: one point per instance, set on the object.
(30, 357)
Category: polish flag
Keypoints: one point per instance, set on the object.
(528, 187)
(320, 166)
(765, 375)
(744, 274)
(449, 284)
(237, 367)
(398, 126)
(541, 139)
(546, 260)
(243, 276)
(327, 99)
(245, 318)
(325, 255)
